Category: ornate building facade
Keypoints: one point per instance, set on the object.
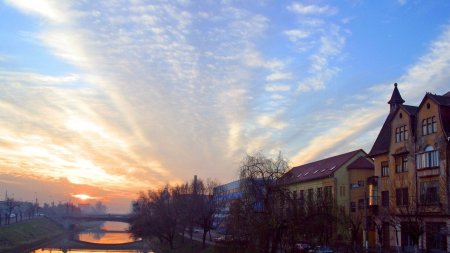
(411, 157)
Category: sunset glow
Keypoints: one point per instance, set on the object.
(83, 196)
(109, 98)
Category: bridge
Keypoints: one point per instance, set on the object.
(100, 217)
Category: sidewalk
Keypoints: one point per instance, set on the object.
(198, 237)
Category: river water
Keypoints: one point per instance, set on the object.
(109, 233)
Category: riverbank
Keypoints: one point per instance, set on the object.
(20, 236)
(188, 246)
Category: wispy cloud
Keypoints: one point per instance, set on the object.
(322, 38)
(296, 34)
(51, 10)
(402, 2)
(311, 9)
(278, 76)
(160, 91)
(355, 122)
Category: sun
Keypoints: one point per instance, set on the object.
(82, 196)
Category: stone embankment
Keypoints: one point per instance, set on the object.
(21, 236)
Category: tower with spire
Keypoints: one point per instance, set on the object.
(396, 99)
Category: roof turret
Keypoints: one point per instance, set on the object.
(396, 99)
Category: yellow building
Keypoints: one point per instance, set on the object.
(411, 157)
(341, 179)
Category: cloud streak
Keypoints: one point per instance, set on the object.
(159, 92)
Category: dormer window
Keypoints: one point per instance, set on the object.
(429, 126)
(401, 133)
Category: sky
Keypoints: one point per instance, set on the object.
(109, 98)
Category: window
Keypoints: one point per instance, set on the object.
(429, 126)
(310, 195)
(360, 183)
(401, 164)
(429, 193)
(427, 159)
(385, 198)
(328, 191)
(385, 169)
(319, 194)
(436, 236)
(341, 190)
(294, 195)
(401, 195)
(361, 204)
(302, 197)
(352, 207)
(401, 133)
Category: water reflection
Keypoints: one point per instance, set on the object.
(81, 251)
(105, 238)
(107, 233)
(110, 232)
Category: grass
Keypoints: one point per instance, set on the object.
(28, 232)
(188, 246)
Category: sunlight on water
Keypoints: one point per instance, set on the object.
(81, 251)
(117, 235)
(105, 238)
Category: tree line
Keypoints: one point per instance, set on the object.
(266, 218)
(175, 210)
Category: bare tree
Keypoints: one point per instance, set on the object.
(260, 213)
(206, 206)
(10, 205)
(155, 215)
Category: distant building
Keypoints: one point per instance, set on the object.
(225, 195)
(412, 156)
(339, 180)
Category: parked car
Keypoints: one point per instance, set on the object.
(221, 238)
(302, 247)
(321, 249)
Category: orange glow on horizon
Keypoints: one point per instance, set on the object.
(83, 197)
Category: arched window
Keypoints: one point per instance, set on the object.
(428, 158)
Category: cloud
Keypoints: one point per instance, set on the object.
(356, 121)
(296, 34)
(271, 122)
(157, 90)
(321, 71)
(402, 2)
(278, 76)
(47, 9)
(304, 9)
(276, 87)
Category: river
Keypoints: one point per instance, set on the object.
(109, 234)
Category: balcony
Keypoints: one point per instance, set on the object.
(429, 172)
(427, 164)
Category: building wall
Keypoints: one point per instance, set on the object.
(412, 179)
(340, 183)
(439, 142)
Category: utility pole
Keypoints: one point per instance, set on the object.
(365, 221)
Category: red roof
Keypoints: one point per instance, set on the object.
(318, 169)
